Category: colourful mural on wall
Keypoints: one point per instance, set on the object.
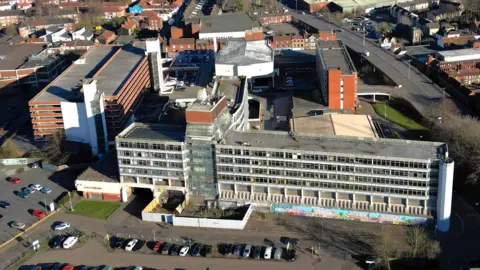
(312, 211)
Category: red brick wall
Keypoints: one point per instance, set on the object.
(254, 36)
(349, 85)
(334, 89)
(317, 6)
(327, 36)
(111, 197)
(176, 32)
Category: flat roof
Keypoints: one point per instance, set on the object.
(227, 22)
(113, 64)
(13, 57)
(154, 132)
(459, 55)
(348, 4)
(394, 148)
(356, 125)
(104, 170)
(335, 56)
(241, 52)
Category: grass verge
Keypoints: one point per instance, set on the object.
(389, 113)
(95, 209)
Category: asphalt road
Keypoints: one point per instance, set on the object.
(20, 208)
(417, 88)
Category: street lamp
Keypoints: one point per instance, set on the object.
(70, 198)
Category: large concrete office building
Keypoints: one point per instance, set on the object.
(93, 100)
(337, 76)
(356, 178)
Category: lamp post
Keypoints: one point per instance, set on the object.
(70, 198)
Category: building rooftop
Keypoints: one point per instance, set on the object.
(12, 57)
(335, 124)
(453, 55)
(335, 56)
(104, 170)
(337, 144)
(241, 52)
(155, 132)
(111, 66)
(228, 22)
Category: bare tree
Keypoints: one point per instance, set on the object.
(386, 247)
(420, 244)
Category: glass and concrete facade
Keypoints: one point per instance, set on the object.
(278, 170)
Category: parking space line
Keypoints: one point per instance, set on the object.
(28, 229)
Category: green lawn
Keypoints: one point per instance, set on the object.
(96, 209)
(396, 117)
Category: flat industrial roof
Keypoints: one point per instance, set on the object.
(113, 64)
(104, 170)
(356, 125)
(335, 56)
(336, 144)
(460, 55)
(228, 22)
(241, 52)
(12, 57)
(348, 4)
(154, 132)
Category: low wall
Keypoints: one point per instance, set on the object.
(213, 223)
(313, 211)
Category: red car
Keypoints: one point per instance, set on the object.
(14, 180)
(68, 267)
(156, 248)
(38, 213)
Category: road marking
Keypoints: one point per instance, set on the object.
(28, 229)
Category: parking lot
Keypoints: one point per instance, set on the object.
(192, 68)
(20, 209)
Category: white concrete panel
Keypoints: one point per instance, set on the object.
(75, 122)
(444, 196)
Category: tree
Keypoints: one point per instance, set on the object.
(11, 30)
(383, 28)
(420, 245)
(385, 247)
(239, 5)
(9, 150)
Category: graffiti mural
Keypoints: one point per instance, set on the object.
(312, 211)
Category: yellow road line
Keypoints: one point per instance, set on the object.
(28, 229)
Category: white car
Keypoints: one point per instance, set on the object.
(268, 253)
(35, 186)
(70, 242)
(184, 251)
(61, 226)
(131, 244)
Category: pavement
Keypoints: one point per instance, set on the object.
(416, 88)
(20, 209)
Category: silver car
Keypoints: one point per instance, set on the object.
(18, 225)
(246, 250)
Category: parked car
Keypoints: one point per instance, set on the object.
(228, 250)
(4, 204)
(174, 250)
(118, 243)
(61, 226)
(256, 252)
(291, 255)
(14, 180)
(184, 251)
(278, 254)
(28, 190)
(246, 251)
(166, 248)
(157, 245)
(38, 213)
(17, 225)
(22, 194)
(70, 242)
(68, 267)
(208, 251)
(46, 190)
(35, 186)
(197, 249)
(238, 250)
(131, 244)
(139, 245)
(56, 266)
(57, 241)
(268, 253)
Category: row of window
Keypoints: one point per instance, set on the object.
(332, 168)
(333, 177)
(152, 172)
(342, 186)
(161, 164)
(125, 153)
(314, 157)
(153, 146)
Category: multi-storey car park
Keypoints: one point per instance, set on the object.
(93, 100)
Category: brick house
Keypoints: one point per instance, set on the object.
(281, 42)
(181, 44)
(9, 17)
(105, 38)
(29, 26)
(255, 33)
(129, 27)
(152, 19)
(298, 42)
(110, 12)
